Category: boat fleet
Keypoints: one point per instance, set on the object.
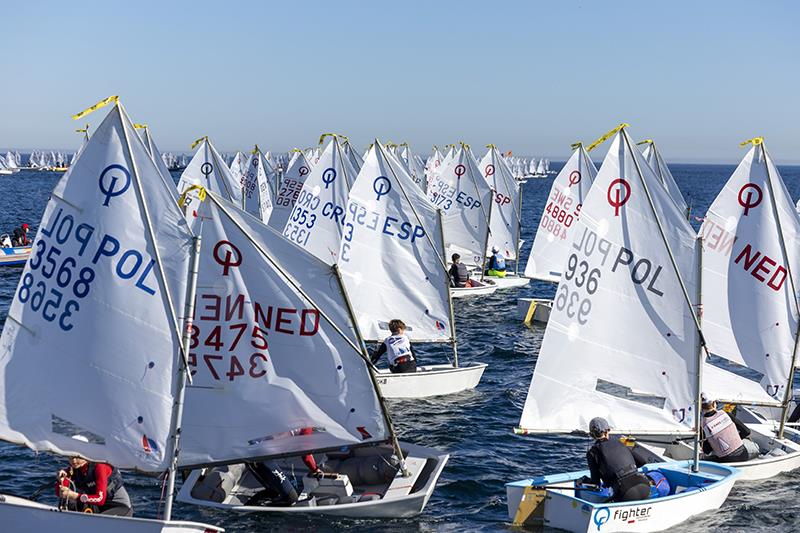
(256, 284)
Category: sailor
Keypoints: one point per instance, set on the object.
(459, 275)
(397, 348)
(725, 436)
(20, 236)
(612, 462)
(278, 487)
(497, 264)
(97, 487)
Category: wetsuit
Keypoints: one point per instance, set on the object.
(100, 488)
(612, 462)
(458, 275)
(401, 359)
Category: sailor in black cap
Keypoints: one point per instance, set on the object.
(612, 462)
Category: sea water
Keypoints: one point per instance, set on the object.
(475, 427)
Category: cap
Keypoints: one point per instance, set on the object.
(25, 226)
(495, 249)
(81, 438)
(705, 399)
(598, 426)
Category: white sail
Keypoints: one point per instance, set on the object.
(415, 170)
(208, 170)
(92, 339)
(540, 169)
(355, 159)
(155, 155)
(504, 227)
(750, 308)
(292, 183)
(620, 320)
(433, 165)
(256, 187)
(11, 161)
(392, 254)
(239, 165)
(556, 230)
(274, 350)
(656, 162)
(317, 219)
(464, 197)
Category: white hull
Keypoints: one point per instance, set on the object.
(509, 282)
(778, 456)
(425, 466)
(18, 515)
(479, 290)
(430, 380)
(541, 313)
(565, 509)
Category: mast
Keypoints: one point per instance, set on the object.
(787, 397)
(371, 369)
(698, 382)
(180, 393)
(700, 338)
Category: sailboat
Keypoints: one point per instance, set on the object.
(291, 183)
(506, 215)
(392, 261)
(465, 197)
(555, 231)
(541, 170)
(624, 319)
(239, 165)
(72, 315)
(278, 373)
(751, 238)
(415, 170)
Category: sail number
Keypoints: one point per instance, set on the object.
(581, 275)
(288, 193)
(242, 334)
(556, 219)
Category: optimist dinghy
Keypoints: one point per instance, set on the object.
(392, 264)
(558, 501)
(362, 483)
(128, 405)
(15, 255)
(594, 349)
(749, 319)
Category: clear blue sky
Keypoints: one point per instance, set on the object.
(533, 77)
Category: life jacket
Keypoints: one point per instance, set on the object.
(462, 275)
(498, 262)
(721, 434)
(87, 484)
(659, 485)
(616, 462)
(397, 346)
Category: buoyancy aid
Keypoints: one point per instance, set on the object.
(498, 262)
(398, 346)
(616, 461)
(721, 434)
(86, 483)
(462, 274)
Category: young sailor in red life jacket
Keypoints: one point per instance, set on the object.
(725, 437)
(98, 486)
(397, 348)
